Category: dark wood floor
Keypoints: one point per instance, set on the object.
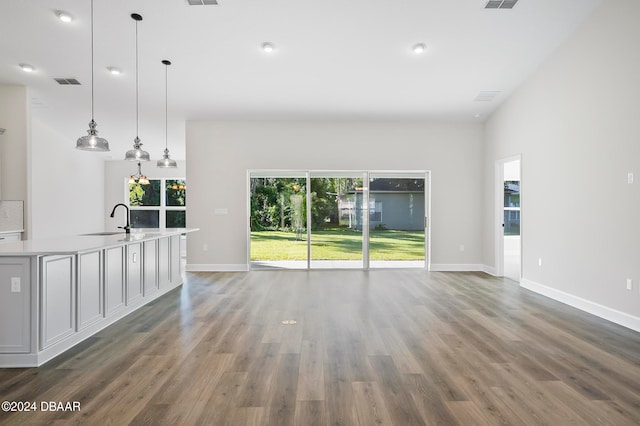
(389, 347)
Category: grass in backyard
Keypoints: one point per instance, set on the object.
(337, 244)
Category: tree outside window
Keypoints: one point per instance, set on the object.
(161, 204)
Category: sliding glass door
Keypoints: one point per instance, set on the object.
(397, 220)
(278, 224)
(337, 218)
(346, 219)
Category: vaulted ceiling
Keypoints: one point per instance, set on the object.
(332, 59)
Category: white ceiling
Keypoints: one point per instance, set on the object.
(334, 59)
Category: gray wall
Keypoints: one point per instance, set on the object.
(67, 195)
(576, 124)
(15, 146)
(220, 153)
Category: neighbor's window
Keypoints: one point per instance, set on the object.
(161, 204)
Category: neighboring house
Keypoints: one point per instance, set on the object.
(393, 204)
(512, 207)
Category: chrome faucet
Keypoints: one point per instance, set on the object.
(126, 228)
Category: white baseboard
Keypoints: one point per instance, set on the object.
(489, 270)
(241, 267)
(456, 267)
(216, 267)
(593, 308)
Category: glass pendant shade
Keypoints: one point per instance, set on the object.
(92, 142)
(137, 153)
(166, 162)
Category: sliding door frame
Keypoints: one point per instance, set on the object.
(423, 174)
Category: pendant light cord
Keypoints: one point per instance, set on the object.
(92, 114)
(137, 133)
(166, 106)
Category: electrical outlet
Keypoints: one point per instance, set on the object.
(15, 284)
(629, 284)
(630, 178)
(205, 247)
(461, 247)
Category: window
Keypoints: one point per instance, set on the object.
(161, 204)
(512, 207)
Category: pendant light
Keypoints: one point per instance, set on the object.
(166, 162)
(91, 142)
(139, 178)
(137, 153)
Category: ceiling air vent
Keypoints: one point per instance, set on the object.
(486, 96)
(501, 4)
(202, 2)
(65, 81)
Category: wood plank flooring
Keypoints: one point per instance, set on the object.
(384, 347)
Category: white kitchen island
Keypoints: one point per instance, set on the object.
(54, 293)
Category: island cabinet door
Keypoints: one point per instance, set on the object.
(15, 305)
(57, 292)
(134, 272)
(176, 272)
(164, 262)
(113, 279)
(90, 309)
(150, 269)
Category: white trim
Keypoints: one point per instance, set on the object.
(163, 208)
(365, 174)
(489, 270)
(216, 267)
(613, 315)
(457, 267)
(498, 270)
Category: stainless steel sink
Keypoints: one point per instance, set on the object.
(97, 234)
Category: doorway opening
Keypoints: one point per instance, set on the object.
(338, 219)
(508, 195)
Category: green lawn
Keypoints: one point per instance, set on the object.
(337, 244)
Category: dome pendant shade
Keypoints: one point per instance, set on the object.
(137, 153)
(166, 162)
(92, 142)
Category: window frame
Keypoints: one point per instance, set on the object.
(163, 207)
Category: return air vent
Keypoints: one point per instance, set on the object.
(486, 96)
(202, 2)
(65, 81)
(501, 4)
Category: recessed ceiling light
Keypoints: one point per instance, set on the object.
(268, 47)
(27, 68)
(419, 48)
(114, 70)
(64, 16)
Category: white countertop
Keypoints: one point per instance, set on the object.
(74, 244)
(14, 231)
